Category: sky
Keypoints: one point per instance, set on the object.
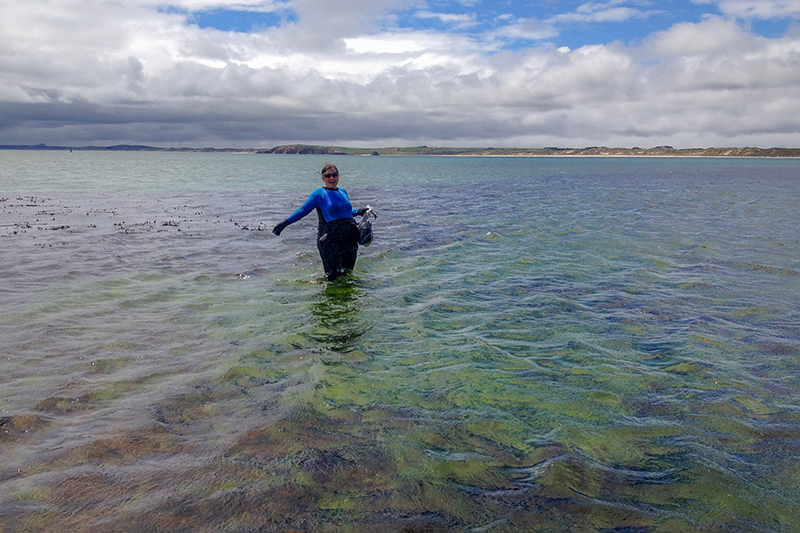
(377, 73)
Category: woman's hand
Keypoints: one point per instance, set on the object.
(280, 227)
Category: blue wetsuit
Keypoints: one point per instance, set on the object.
(337, 234)
(333, 204)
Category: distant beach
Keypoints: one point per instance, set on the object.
(309, 149)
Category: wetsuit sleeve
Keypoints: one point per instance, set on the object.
(311, 203)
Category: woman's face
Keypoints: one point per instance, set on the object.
(331, 178)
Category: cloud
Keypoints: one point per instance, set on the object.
(336, 19)
(718, 55)
(756, 9)
(712, 36)
(456, 20)
(256, 6)
(592, 12)
(347, 73)
(514, 29)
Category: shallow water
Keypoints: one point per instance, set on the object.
(530, 344)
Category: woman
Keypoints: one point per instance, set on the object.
(337, 235)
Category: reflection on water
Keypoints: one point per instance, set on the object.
(620, 354)
(338, 311)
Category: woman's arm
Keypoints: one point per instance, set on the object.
(309, 205)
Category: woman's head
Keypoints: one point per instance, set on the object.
(330, 176)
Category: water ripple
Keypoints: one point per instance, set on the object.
(528, 345)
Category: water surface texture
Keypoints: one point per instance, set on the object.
(530, 344)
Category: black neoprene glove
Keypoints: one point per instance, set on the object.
(361, 211)
(280, 227)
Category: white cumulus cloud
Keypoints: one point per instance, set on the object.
(343, 72)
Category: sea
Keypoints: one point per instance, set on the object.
(530, 344)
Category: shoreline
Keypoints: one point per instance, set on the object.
(301, 149)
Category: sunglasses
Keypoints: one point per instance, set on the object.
(330, 175)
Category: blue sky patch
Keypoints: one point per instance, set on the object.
(571, 23)
(239, 21)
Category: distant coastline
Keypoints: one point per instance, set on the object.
(592, 151)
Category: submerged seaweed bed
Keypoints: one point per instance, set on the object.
(596, 347)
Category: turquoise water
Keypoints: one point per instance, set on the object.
(530, 344)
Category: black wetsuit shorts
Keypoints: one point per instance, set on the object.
(337, 242)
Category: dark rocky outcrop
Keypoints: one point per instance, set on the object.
(303, 149)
